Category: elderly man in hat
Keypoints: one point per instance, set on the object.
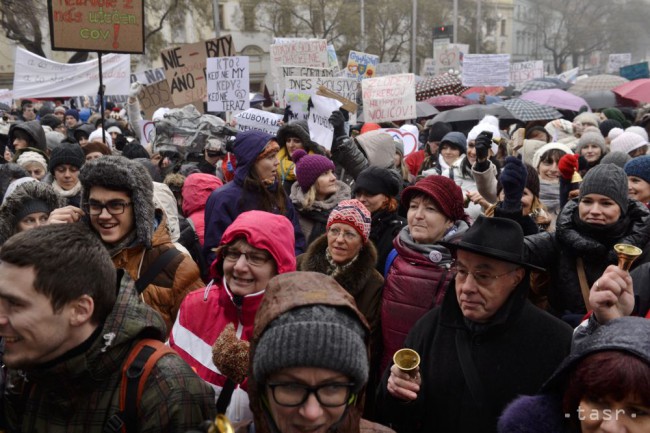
(485, 345)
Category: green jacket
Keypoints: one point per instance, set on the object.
(80, 392)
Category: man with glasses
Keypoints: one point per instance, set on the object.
(485, 345)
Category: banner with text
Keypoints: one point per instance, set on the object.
(228, 83)
(521, 72)
(321, 130)
(617, 61)
(36, 76)
(361, 65)
(389, 98)
(486, 70)
(185, 65)
(258, 120)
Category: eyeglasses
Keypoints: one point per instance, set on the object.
(483, 279)
(112, 207)
(254, 259)
(347, 235)
(296, 394)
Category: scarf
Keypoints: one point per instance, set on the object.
(126, 242)
(607, 235)
(76, 189)
(454, 231)
(335, 269)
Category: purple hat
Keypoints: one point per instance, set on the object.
(310, 167)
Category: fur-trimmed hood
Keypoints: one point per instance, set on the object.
(21, 195)
(122, 174)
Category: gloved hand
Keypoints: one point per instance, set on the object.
(136, 88)
(288, 114)
(568, 165)
(337, 119)
(483, 144)
(513, 179)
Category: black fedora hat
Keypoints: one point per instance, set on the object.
(498, 238)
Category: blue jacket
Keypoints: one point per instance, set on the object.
(225, 203)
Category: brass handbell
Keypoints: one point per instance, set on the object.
(221, 424)
(407, 360)
(627, 254)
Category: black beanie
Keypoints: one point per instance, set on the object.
(438, 130)
(67, 153)
(607, 125)
(377, 180)
(33, 206)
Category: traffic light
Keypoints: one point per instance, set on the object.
(442, 32)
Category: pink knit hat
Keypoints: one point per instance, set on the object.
(310, 167)
(353, 213)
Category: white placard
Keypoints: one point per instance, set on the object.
(389, 98)
(36, 76)
(301, 71)
(6, 96)
(149, 76)
(409, 140)
(486, 70)
(299, 103)
(617, 60)
(346, 87)
(570, 76)
(147, 131)
(449, 57)
(521, 72)
(321, 130)
(228, 83)
(298, 52)
(361, 65)
(258, 120)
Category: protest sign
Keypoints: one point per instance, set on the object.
(36, 76)
(409, 139)
(616, 61)
(486, 70)
(321, 130)
(158, 95)
(635, 71)
(570, 76)
(301, 71)
(228, 83)
(361, 65)
(346, 87)
(185, 65)
(389, 98)
(333, 61)
(298, 52)
(6, 97)
(110, 26)
(298, 103)
(149, 76)
(449, 57)
(521, 72)
(259, 120)
(391, 68)
(147, 131)
(428, 67)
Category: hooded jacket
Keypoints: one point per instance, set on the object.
(279, 299)
(227, 202)
(299, 129)
(34, 130)
(353, 155)
(80, 392)
(204, 313)
(196, 190)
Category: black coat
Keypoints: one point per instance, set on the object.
(383, 229)
(514, 354)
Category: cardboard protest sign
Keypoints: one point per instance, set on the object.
(346, 87)
(259, 120)
(449, 57)
(228, 83)
(36, 76)
(298, 52)
(617, 61)
(158, 95)
(636, 71)
(148, 76)
(486, 70)
(361, 65)
(389, 98)
(185, 65)
(111, 26)
(521, 72)
(321, 130)
(390, 68)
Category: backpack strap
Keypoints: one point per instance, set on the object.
(156, 267)
(389, 261)
(135, 372)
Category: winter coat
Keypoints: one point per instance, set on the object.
(353, 155)
(204, 313)
(279, 300)
(415, 283)
(169, 287)
(227, 202)
(557, 252)
(514, 353)
(298, 129)
(80, 392)
(34, 130)
(641, 279)
(196, 190)
(313, 220)
(383, 229)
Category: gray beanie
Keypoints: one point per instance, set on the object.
(616, 158)
(609, 180)
(591, 138)
(319, 336)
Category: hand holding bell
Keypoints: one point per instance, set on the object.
(627, 254)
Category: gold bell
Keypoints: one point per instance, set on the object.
(407, 360)
(627, 254)
(576, 178)
(221, 424)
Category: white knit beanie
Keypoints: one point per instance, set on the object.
(638, 130)
(550, 146)
(627, 142)
(26, 158)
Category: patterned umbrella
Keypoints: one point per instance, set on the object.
(445, 84)
(556, 98)
(597, 82)
(536, 85)
(527, 111)
(637, 90)
(446, 101)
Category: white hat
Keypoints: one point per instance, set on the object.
(96, 135)
(627, 142)
(549, 146)
(487, 126)
(614, 132)
(30, 157)
(638, 130)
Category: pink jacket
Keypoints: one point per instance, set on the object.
(196, 190)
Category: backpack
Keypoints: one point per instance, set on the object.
(135, 372)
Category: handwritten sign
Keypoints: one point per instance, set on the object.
(158, 95)
(228, 83)
(6, 96)
(617, 61)
(148, 76)
(185, 65)
(636, 71)
(428, 67)
(361, 65)
(301, 71)
(259, 120)
(346, 87)
(113, 26)
(299, 103)
(36, 76)
(389, 98)
(321, 130)
(299, 52)
(486, 70)
(521, 72)
(449, 57)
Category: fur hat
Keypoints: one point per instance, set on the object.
(639, 167)
(587, 118)
(446, 195)
(627, 142)
(591, 138)
(298, 129)
(67, 153)
(96, 146)
(609, 180)
(310, 167)
(353, 213)
(122, 174)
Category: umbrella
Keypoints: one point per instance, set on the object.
(599, 99)
(597, 82)
(489, 99)
(446, 101)
(4, 107)
(446, 84)
(527, 111)
(474, 113)
(637, 90)
(559, 84)
(556, 98)
(422, 109)
(536, 85)
(488, 90)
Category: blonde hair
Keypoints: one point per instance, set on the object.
(310, 197)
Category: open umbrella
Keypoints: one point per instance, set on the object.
(489, 99)
(597, 82)
(556, 98)
(445, 84)
(536, 85)
(448, 101)
(599, 99)
(637, 90)
(474, 113)
(4, 107)
(527, 111)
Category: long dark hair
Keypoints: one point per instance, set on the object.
(271, 198)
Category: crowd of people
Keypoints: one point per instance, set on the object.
(272, 278)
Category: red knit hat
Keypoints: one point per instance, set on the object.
(446, 195)
(353, 213)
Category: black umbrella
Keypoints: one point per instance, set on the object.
(474, 113)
